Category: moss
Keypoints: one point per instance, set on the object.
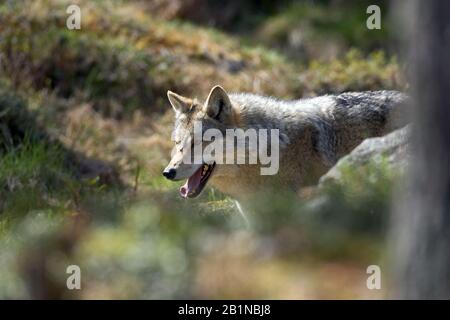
(360, 200)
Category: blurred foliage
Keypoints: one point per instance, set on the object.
(323, 29)
(85, 132)
(119, 63)
(353, 72)
(30, 167)
(304, 30)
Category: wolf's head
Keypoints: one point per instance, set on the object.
(216, 113)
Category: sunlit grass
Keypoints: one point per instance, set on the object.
(33, 177)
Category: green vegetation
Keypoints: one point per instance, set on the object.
(312, 29)
(85, 132)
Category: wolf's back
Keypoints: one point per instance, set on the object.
(376, 111)
(356, 116)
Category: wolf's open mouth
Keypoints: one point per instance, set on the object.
(195, 183)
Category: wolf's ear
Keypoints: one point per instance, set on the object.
(218, 104)
(179, 103)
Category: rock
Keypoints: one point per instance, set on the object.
(391, 149)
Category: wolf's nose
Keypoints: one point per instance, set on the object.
(170, 174)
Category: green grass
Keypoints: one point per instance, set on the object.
(33, 177)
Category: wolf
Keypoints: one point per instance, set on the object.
(313, 134)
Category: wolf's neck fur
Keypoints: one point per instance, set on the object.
(270, 113)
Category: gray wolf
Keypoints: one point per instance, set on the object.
(314, 134)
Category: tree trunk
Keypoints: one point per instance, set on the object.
(421, 221)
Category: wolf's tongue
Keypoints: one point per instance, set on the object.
(192, 183)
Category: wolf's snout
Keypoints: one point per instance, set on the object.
(170, 174)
